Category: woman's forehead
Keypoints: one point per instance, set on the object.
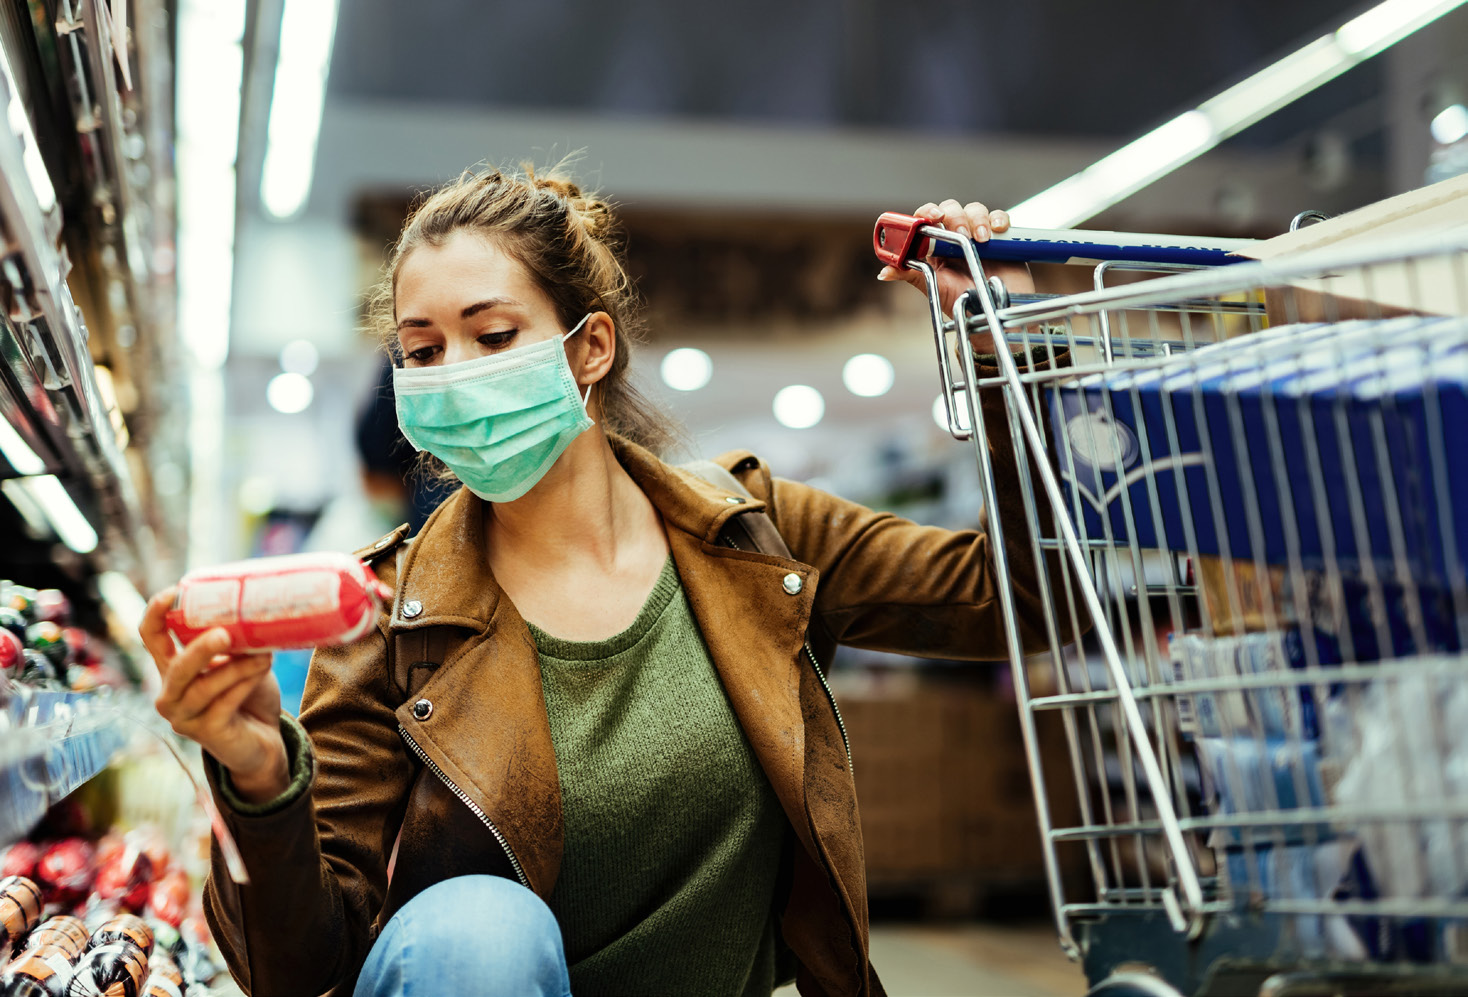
(465, 266)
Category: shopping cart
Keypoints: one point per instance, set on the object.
(1250, 480)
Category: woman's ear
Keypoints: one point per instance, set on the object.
(600, 338)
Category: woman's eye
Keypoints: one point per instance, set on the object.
(422, 355)
(498, 339)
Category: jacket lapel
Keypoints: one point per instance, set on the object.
(487, 731)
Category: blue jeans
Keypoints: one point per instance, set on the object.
(472, 935)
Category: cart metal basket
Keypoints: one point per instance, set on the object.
(1250, 483)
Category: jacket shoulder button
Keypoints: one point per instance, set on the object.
(422, 710)
(792, 584)
(734, 499)
(412, 609)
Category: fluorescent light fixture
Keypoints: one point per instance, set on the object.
(686, 368)
(207, 115)
(799, 406)
(1194, 132)
(18, 454)
(44, 501)
(306, 31)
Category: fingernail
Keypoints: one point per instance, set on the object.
(884, 274)
(1000, 219)
(964, 231)
(982, 234)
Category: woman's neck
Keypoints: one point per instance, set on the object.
(585, 509)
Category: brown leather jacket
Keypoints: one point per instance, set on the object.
(456, 753)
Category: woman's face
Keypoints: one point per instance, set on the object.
(466, 299)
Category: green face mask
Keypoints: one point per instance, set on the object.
(498, 422)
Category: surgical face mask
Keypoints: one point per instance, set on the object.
(498, 422)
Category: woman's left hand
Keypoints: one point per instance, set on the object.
(977, 222)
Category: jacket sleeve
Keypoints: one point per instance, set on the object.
(889, 584)
(318, 861)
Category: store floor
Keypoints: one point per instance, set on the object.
(962, 960)
(971, 960)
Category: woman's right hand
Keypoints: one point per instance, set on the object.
(229, 704)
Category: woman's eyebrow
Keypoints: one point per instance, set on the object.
(485, 305)
(468, 312)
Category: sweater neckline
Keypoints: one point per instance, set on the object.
(561, 649)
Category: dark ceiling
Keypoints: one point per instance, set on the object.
(1026, 67)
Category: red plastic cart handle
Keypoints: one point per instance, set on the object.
(896, 240)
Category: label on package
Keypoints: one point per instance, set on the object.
(211, 603)
(290, 596)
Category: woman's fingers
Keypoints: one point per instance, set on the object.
(205, 690)
(197, 656)
(154, 630)
(228, 702)
(999, 220)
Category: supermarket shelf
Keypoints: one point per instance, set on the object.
(50, 743)
(59, 448)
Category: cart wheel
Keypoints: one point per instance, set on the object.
(1133, 984)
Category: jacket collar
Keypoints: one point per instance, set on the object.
(445, 577)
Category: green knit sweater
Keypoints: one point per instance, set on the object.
(672, 832)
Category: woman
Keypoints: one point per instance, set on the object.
(590, 748)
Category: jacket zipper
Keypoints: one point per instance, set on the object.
(474, 807)
(821, 676)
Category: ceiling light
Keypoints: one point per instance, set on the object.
(299, 356)
(1450, 125)
(940, 412)
(1184, 138)
(799, 406)
(687, 369)
(306, 31)
(289, 393)
(869, 375)
(207, 115)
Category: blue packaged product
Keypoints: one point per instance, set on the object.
(1244, 775)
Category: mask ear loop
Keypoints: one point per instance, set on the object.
(586, 398)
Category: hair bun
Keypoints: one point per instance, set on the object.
(594, 214)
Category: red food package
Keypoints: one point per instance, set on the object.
(66, 870)
(20, 911)
(168, 900)
(124, 874)
(20, 859)
(12, 654)
(275, 603)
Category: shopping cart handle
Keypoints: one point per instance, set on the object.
(898, 238)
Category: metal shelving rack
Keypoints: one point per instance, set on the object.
(93, 451)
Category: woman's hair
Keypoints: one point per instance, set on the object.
(569, 243)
